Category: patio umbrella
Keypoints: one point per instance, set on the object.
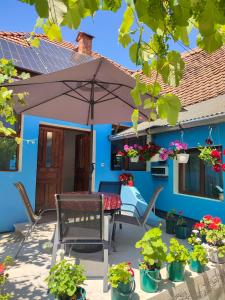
(95, 92)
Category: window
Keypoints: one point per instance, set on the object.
(197, 178)
(124, 163)
(9, 150)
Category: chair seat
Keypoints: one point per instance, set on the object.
(126, 219)
(80, 233)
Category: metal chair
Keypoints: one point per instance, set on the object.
(80, 222)
(136, 218)
(34, 219)
(110, 187)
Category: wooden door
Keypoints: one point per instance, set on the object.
(82, 162)
(49, 167)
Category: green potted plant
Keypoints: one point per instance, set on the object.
(121, 278)
(177, 259)
(65, 280)
(198, 259)
(215, 246)
(4, 277)
(181, 227)
(154, 253)
(171, 221)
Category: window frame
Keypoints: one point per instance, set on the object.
(202, 177)
(18, 134)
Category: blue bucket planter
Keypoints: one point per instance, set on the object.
(80, 294)
(123, 291)
(176, 271)
(181, 232)
(149, 280)
(196, 266)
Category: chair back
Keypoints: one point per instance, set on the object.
(110, 187)
(80, 217)
(151, 204)
(26, 202)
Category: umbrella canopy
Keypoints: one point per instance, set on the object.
(96, 92)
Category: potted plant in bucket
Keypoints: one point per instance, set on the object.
(177, 259)
(215, 246)
(154, 253)
(198, 259)
(121, 278)
(171, 221)
(65, 280)
(181, 227)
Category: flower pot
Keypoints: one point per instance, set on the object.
(155, 158)
(181, 232)
(134, 159)
(170, 226)
(150, 280)
(182, 158)
(176, 271)
(196, 266)
(213, 255)
(123, 291)
(80, 295)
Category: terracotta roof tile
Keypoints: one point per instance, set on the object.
(203, 78)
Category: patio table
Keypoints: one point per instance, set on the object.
(112, 202)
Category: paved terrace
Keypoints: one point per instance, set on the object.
(26, 277)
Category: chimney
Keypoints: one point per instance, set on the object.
(84, 41)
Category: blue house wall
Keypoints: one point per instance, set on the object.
(12, 210)
(192, 206)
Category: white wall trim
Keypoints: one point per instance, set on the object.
(175, 176)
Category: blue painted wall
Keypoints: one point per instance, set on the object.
(192, 206)
(12, 210)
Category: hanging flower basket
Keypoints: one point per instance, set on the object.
(155, 158)
(182, 158)
(134, 159)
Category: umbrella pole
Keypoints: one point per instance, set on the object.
(91, 161)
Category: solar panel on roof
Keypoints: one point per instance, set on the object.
(47, 58)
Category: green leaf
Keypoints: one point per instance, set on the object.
(124, 39)
(148, 103)
(34, 42)
(112, 5)
(52, 31)
(41, 7)
(169, 107)
(135, 94)
(135, 118)
(133, 52)
(128, 19)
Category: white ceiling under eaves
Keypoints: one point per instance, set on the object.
(207, 112)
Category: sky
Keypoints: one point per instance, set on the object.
(18, 16)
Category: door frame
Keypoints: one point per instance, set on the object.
(75, 128)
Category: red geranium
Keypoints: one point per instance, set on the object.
(223, 167)
(208, 217)
(216, 154)
(217, 168)
(213, 226)
(216, 220)
(2, 269)
(199, 225)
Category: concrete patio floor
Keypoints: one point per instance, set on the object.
(26, 277)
